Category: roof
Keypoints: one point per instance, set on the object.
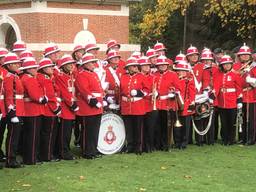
(74, 1)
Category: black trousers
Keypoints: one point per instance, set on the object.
(48, 137)
(181, 134)
(249, 123)
(134, 132)
(217, 126)
(150, 120)
(77, 130)
(201, 124)
(228, 120)
(31, 138)
(164, 129)
(90, 134)
(12, 141)
(65, 132)
(3, 125)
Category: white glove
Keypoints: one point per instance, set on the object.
(114, 106)
(15, 120)
(105, 103)
(98, 105)
(1, 115)
(133, 92)
(251, 81)
(239, 105)
(171, 95)
(111, 100)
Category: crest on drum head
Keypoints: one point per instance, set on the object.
(202, 107)
(110, 136)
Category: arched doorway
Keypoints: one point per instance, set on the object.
(9, 32)
(9, 36)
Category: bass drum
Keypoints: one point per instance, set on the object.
(111, 135)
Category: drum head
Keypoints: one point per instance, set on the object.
(111, 134)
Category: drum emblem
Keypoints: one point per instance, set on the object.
(110, 136)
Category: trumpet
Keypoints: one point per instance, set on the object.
(154, 95)
(177, 122)
(246, 67)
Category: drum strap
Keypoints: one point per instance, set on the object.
(204, 132)
(113, 73)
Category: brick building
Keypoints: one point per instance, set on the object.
(65, 22)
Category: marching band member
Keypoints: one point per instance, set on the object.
(13, 94)
(160, 49)
(113, 75)
(18, 47)
(51, 51)
(34, 100)
(3, 119)
(77, 55)
(65, 81)
(208, 77)
(152, 56)
(52, 109)
(228, 91)
(150, 117)
(99, 65)
(113, 45)
(192, 55)
(90, 101)
(187, 91)
(133, 89)
(168, 88)
(248, 74)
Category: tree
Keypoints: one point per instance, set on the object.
(239, 14)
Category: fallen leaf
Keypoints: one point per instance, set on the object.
(81, 177)
(163, 168)
(188, 176)
(26, 185)
(143, 189)
(18, 181)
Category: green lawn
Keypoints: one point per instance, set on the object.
(209, 168)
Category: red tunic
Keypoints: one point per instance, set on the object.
(188, 92)
(32, 93)
(149, 80)
(249, 92)
(88, 85)
(14, 93)
(3, 73)
(51, 91)
(65, 83)
(132, 105)
(209, 80)
(228, 88)
(114, 82)
(166, 82)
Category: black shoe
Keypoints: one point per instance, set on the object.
(13, 164)
(68, 156)
(88, 156)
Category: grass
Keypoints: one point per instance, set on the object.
(209, 168)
